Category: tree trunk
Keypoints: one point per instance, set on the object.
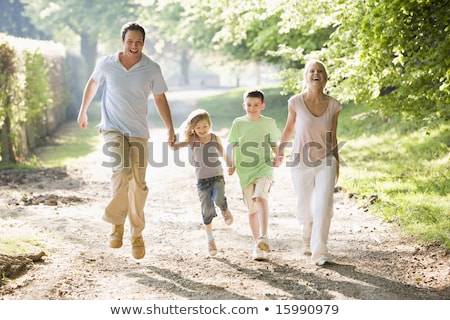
(89, 51)
(7, 149)
(185, 62)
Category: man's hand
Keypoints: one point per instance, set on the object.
(171, 138)
(82, 120)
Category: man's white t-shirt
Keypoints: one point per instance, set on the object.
(124, 103)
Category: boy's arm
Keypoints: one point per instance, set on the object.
(277, 160)
(231, 159)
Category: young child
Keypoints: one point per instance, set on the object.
(254, 139)
(206, 150)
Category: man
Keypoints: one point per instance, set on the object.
(129, 76)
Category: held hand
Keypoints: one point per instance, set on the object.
(231, 170)
(277, 161)
(171, 139)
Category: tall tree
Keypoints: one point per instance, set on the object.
(14, 23)
(165, 18)
(82, 21)
(8, 100)
(391, 55)
(396, 57)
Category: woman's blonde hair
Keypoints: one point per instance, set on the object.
(191, 121)
(308, 65)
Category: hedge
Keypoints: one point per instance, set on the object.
(35, 94)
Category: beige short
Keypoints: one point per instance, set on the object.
(260, 188)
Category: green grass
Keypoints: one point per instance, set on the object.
(19, 242)
(64, 149)
(405, 166)
(74, 144)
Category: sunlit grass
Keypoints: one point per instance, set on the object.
(407, 168)
(19, 240)
(18, 244)
(76, 143)
(65, 149)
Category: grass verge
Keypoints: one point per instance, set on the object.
(406, 167)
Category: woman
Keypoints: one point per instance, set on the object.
(313, 117)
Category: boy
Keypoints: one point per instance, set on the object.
(254, 140)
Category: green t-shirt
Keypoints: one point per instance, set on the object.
(253, 142)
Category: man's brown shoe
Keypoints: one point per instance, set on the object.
(115, 238)
(138, 247)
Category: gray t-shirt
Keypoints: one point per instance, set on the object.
(125, 95)
(207, 159)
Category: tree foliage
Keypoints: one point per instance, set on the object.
(86, 22)
(13, 21)
(391, 55)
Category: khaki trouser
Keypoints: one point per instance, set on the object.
(128, 161)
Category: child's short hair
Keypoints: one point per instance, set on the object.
(256, 93)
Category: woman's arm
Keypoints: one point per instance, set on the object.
(288, 131)
(335, 143)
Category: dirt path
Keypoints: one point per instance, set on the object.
(373, 260)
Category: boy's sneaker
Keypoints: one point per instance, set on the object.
(212, 248)
(258, 254)
(138, 247)
(228, 217)
(263, 244)
(115, 238)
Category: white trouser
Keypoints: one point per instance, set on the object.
(314, 187)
